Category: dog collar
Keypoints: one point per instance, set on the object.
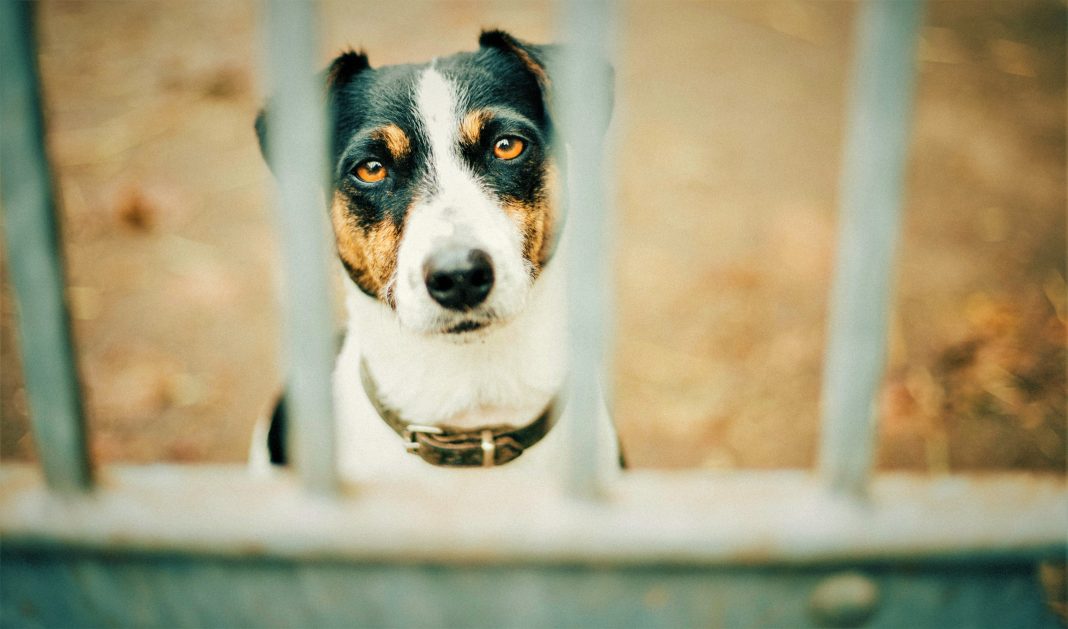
(450, 446)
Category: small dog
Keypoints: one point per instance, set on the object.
(447, 214)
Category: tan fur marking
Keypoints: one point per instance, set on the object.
(370, 255)
(552, 222)
(537, 221)
(396, 140)
(472, 125)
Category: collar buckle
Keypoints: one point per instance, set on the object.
(411, 443)
(486, 446)
(489, 448)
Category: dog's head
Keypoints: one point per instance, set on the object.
(444, 201)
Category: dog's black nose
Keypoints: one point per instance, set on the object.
(459, 279)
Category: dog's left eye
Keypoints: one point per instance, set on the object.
(508, 147)
(370, 171)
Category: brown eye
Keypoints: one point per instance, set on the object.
(370, 171)
(508, 147)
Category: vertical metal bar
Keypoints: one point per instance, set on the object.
(296, 144)
(35, 258)
(584, 100)
(871, 192)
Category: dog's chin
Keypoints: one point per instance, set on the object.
(461, 328)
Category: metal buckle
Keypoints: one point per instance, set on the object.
(411, 430)
(489, 449)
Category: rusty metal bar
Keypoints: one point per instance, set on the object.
(585, 103)
(31, 229)
(297, 150)
(870, 202)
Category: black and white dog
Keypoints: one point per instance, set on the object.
(447, 214)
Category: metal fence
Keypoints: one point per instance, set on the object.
(211, 546)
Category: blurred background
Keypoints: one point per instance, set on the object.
(727, 131)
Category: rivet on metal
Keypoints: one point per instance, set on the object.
(844, 600)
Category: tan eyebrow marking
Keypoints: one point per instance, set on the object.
(395, 139)
(472, 124)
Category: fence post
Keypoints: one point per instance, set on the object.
(297, 150)
(584, 100)
(870, 198)
(36, 262)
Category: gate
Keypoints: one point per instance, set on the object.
(204, 545)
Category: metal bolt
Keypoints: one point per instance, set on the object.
(847, 599)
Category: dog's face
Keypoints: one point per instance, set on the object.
(444, 200)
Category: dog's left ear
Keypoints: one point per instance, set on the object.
(543, 62)
(342, 70)
(529, 54)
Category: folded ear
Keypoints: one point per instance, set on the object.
(544, 62)
(529, 54)
(337, 75)
(344, 68)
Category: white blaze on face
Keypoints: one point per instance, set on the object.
(458, 212)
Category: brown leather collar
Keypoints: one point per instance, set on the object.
(444, 445)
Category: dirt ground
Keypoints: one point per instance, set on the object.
(727, 138)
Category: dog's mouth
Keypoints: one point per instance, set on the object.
(466, 326)
(473, 325)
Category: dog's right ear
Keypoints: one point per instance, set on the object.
(339, 74)
(345, 67)
(544, 62)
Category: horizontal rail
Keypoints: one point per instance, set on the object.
(872, 184)
(684, 518)
(35, 261)
(296, 142)
(45, 589)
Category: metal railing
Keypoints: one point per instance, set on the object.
(32, 239)
(870, 198)
(935, 550)
(297, 143)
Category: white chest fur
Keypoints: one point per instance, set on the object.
(506, 375)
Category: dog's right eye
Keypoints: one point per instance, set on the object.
(508, 148)
(370, 171)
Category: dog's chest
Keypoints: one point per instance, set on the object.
(515, 373)
(369, 449)
(507, 376)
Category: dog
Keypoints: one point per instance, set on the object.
(448, 216)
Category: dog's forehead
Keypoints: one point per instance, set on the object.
(485, 79)
(376, 97)
(491, 78)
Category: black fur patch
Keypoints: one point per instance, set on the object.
(498, 82)
(497, 39)
(372, 100)
(347, 65)
(278, 433)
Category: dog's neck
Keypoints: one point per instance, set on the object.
(506, 374)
